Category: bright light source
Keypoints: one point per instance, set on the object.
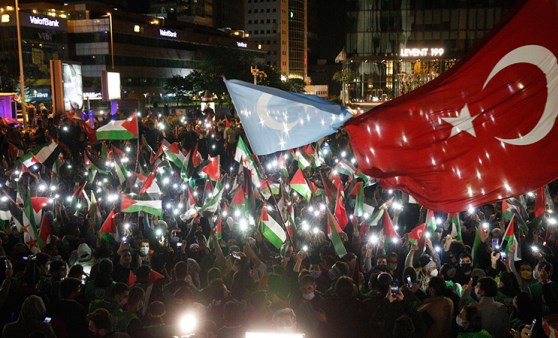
(374, 239)
(439, 220)
(305, 248)
(471, 210)
(188, 323)
(552, 221)
(485, 225)
(158, 232)
(126, 226)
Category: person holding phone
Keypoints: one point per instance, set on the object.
(30, 321)
(439, 308)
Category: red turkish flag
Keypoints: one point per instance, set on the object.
(482, 131)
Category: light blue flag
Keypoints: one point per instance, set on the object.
(276, 120)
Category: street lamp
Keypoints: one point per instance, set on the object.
(111, 40)
(21, 75)
(256, 72)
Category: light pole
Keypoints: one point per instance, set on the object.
(111, 40)
(21, 76)
(256, 72)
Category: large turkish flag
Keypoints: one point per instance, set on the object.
(483, 131)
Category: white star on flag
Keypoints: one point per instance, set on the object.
(464, 122)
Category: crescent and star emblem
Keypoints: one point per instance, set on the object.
(263, 112)
(535, 55)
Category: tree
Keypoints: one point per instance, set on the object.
(180, 86)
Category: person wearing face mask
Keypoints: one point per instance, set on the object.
(144, 255)
(307, 304)
(469, 322)
(464, 269)
(524, 275)
(544, 293)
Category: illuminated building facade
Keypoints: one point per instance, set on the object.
(394, 47)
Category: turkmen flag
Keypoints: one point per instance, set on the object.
(333, 231)
(153, 207)
(298, 184)
(272, 230)
(45, 154)
(455, 223)
(119, 130)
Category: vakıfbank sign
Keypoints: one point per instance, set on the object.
(39, 21)
(44, 21)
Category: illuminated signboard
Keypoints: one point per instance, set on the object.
(73, 88)
(167, 33)
(43, 21)
(242, 44)
(424, 52)
(110, 84)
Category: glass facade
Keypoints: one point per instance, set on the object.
(394, 47)
(297, 39)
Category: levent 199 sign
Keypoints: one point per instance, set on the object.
(421, 52)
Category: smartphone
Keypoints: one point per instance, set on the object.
(179, 244)
(394, 288)
(6, 264)
(495, 246)
(502, 255)
(409, 282)
(47, 320)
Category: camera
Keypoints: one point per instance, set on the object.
(409, 282)
(47, 320)
(495, 246)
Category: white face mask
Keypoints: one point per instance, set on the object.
(308, 296)
(460, 322)
(144, 250)
(434, 273)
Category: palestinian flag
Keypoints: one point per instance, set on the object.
(378, 213)
(219, 228)
(540, 202)
(243, 155)
(511, 207)
(45, 231)
(390, 235)
(238, 201)
(431, 222)
(340, 212)
(282, 165)
(272, 230)
(333, 231)
(119, 130)
(94, 214)
(291, 225)
(109, 230)
(149, 181)
(45, 154)
(298, 184)
(455, 223)
(359, 200)
(38, 204)
(416, 234)
(152, 190)
(302, 161)
(510, 240)
(214, 202)
(153, 207)
(476, 245)
(265, 188)
(191, 202)
(121, 171)
(175, 155)
(213, 168)
(345, 168)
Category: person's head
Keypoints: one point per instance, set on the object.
(43, 262)
(58, 270)
(214, 273)
(525, 271)
(430, 269)
(508, 284)
(381, 261)
(119, 293)
(285, 320)
(70, 288)
(77, 272)
(486, 287)
(465, 262)
(543, 271)
(383, 282)
(125, 258)
(135, 299)
(142, 274)
(469, 318)
(392, 261)
(144, 248)
(105, 267)
(307, 287)
(180, 270)
(436, 286)
(157, 310)
(338, 269)
(404, 327)
(100, 323)
(447, 272)
(344, 287)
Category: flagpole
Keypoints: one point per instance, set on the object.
(275, 204)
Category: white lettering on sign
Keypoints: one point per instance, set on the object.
(40, 95)
(417, 52)
(167, 33)
(44, 21)
(242, 44)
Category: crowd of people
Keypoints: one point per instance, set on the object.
(192, 270)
